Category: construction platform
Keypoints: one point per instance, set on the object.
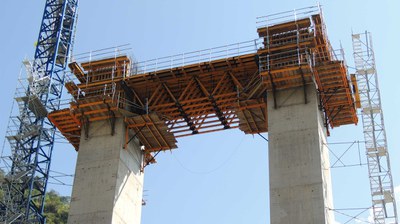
(165, 103)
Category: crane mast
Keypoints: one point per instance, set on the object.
(30, 134)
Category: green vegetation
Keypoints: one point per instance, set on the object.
(2, 174)
(56, 206)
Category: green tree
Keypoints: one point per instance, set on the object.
(2, 182)
(56, 208)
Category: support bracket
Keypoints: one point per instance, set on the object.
(304, 84)
(85, 125)
(337, 112)
(112, 119)
(329, 97)
(127, 135)
(273, 89)
(146, 163)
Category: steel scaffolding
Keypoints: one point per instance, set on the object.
(30, 134)
(381, 183)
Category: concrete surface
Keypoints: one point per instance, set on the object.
(300, 182)
(108, 184)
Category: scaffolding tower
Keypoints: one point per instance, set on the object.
(30, 134)
(381, 183)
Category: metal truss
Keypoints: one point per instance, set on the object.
(381, 183)
(30, 134)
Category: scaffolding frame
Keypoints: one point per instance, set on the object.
(30, 134)
(381, 183)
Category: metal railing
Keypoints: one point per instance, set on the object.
(103, 53)
(287, 16)
(195, 57)
(173, 61)
(294, 57)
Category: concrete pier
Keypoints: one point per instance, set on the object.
(108, 184)
(300, 182)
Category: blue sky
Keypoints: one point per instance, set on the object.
(220, 177)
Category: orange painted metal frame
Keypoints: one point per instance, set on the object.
(210, 96)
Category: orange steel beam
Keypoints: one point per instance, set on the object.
(214, 95)
(159, 133)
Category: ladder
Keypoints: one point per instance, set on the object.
(381, 183)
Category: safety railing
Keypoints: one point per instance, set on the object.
(105, 90)
(173, 61)
(290, 37)
(108, 92)
(103, 53)
(287, 16)
(195, 57)
(279, 60)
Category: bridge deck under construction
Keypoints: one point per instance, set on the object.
(162, 105)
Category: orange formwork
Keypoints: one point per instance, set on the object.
(298, 53)
(164, 104)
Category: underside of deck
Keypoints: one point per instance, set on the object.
(162, 105)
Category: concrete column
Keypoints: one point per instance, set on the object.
(300, 182)
(108, 184)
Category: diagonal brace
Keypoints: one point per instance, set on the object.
(182, 112)
(214, 104)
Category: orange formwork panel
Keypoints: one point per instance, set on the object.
(68, 125)
(161, 105)
(307, 58)
(152, 132)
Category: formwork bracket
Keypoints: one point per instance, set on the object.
(304, 84)
(85, 124)
(273, 89)
(112, 119)
(130, 139)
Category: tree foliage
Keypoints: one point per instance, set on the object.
(2, 174)
(56, 208)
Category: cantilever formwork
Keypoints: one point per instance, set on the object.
(205, 91)
(297, 53)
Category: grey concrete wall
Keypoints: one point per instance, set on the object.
(300, 184)
(108, 184)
